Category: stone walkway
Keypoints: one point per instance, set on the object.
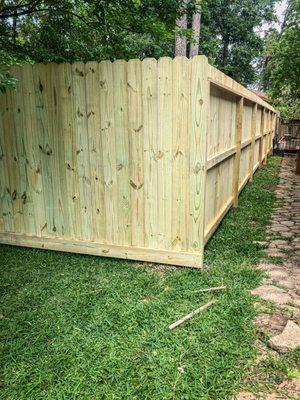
(282, 286)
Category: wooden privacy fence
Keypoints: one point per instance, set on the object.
(290, 129)
(137, 159)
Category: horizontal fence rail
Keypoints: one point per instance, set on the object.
(138, 160)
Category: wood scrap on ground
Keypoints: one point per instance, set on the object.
(212, 289)
(192, 314)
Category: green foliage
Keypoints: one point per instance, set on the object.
(282, 73)
(81, 327)
(6, 79)
(93, 30)
(229, 37)
(56, 31)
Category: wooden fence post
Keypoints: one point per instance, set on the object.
(273, 117)
(198, 127)
(264, 136)
(253, 134)
(269, 131)
(238, 137)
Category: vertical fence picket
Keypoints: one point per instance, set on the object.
(164, 154)
(198, 129)
(81, 149)
(108, 145)
(17, 117)
(136, 140)
(6, 167)
(122, 151)
(137, 159)
(94, 134)
(69, 156)
(150, 144)
(180, 107)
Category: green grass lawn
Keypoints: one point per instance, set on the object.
(82, 327)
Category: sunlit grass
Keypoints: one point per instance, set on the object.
(82, 327)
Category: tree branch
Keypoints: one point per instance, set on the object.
(40, 10)
(8, 11)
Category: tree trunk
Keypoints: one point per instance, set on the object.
(181, 22)
(194, 47)
(225, 51)
(267, 58)
(14, 29)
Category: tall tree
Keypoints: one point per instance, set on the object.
(70, 30)
(180, 33)
(231, 37)
(281, 75)
(196, 24)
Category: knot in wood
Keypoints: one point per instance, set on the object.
(135, 186)
(198, 167)
(158, 155)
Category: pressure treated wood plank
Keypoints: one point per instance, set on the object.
(253, 134)
(6, 209)
(58, 162)
(261, 131)
(270, 131)
(52, 149)
(210, 190)
(108, 141)
(236, 166)
(65, 140)
(227, 84)
(122, 151)
(151, 155)
(113, 160)
(13, 141)
(180, 192)
(42, 136)
(198, 129)
(93, 108)
(164, 154)
(264, 138)
(22, 132)
(211, 228)
(136, 140)
(219, 190)
(65, 171)
(37, 180)
(212, 139)
(185, 259)
(58, 159)
(32, 196)
(82, 149)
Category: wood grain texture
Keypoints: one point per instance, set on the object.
(198, 129)
(151, 155)
(138, 160)
(253, 135)
(180, 152)
(136, 140)
(236, 166)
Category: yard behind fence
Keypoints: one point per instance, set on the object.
(137, 159)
